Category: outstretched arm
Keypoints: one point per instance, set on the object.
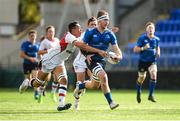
(85, 47)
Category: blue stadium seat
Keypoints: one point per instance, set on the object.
(134, 59)
(161, 62)
(175, 14)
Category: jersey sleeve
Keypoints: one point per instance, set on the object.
(113, 39)
(23, 46)
(158, 40)
(139, 42)
(87, 35)
(70, 38)
(42, 45)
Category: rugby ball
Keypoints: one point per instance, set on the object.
(111, 56)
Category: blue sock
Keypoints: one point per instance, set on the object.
(35, 92)
(138, 87)
(152, 86)
(108, 97)
(82, 86)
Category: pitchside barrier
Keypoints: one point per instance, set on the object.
(117, 79)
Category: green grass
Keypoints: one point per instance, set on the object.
(15, 106)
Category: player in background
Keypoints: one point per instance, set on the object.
(100, 38)
(29, 50)
(79, 63)
(149, 50)
(47, 43)
(56, 57)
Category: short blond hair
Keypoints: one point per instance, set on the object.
(149, 23)
(32, 31)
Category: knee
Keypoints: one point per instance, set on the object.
(141, 78)
(63, 81)
(102, 76)
(103, 79)
(153, 75)
(37, 82)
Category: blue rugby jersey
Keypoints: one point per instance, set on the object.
(30, 50)
(99, 40)
(148, 55)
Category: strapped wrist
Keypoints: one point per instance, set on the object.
(142, 48)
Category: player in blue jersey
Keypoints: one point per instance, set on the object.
(100, 38)
(29, 50)
(149, 50)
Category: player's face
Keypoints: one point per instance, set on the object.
(51, 32)
(32, 37)
(92, 24)
(104, 23)
(150, 30)
(77, 31)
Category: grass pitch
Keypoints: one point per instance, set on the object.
(93, 106)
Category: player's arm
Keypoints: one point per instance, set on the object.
(23, 55)
(42, 49)
(42, 52)
(138, 49)
(158, 51)
(118, 52)
(85, 47)
(141, 47)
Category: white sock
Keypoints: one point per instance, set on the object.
(40, 90)
(62, 94)
(54, 87)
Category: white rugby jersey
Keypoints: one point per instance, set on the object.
(62, 52)
(80, 58)
(48, 44)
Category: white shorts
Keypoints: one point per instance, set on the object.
(51, 60)
(79, 63)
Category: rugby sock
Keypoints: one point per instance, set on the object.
(28, 82)
(82, 86)
(138, 87)
(54, 87)
(35, 93)
(152, 86)
(108, 97)
(40, 90)
(62, 94)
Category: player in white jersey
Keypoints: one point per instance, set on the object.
(56, 57)
(79, 64)
(47, 43)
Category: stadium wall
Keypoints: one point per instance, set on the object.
(117, 79)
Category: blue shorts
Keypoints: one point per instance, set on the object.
(93, 64)
(143, 66)
(29, 67)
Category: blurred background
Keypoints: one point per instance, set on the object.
(17, 17)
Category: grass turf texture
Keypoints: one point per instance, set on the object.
(93, 106)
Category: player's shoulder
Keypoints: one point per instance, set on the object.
(45, 40)
(157, 38)
(108, 30)
(25, 42)
(91, 30)
(143, 36)
(56, 39)
(70, 37)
